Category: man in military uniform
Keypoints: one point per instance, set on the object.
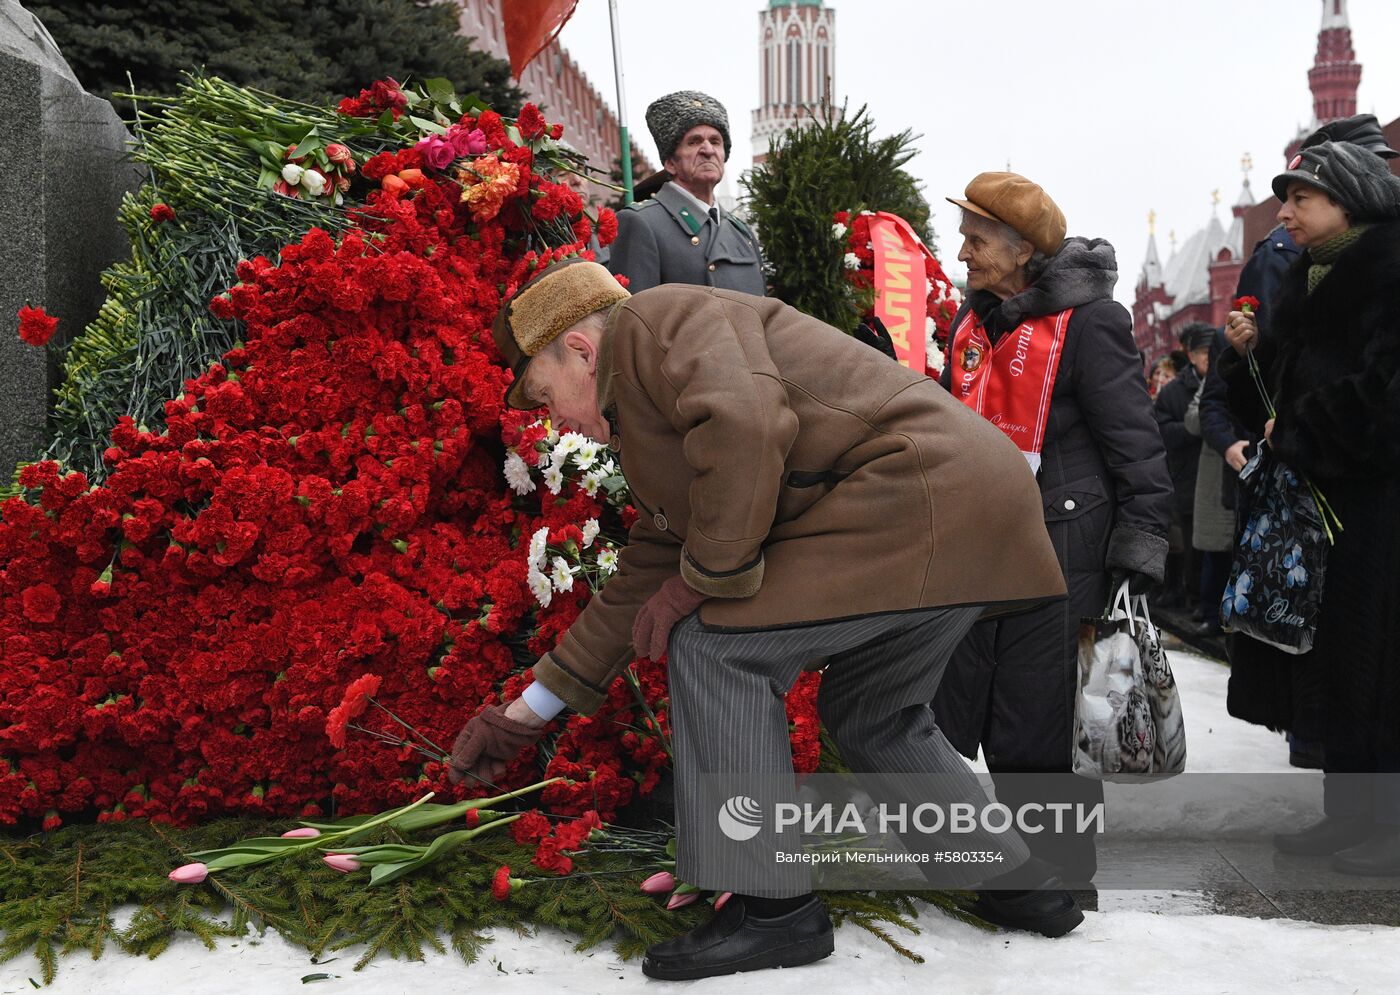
(681, 234)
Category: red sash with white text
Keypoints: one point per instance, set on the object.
(1010, 385)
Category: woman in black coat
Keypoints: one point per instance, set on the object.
(1102, 470)
(1332, 366)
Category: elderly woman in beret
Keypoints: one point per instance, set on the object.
(1332, 367)
(1042, 351)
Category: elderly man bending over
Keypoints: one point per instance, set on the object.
(811, 499)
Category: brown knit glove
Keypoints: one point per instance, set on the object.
(488, 742)
(652, 629)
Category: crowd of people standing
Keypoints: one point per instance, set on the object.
(776, 464)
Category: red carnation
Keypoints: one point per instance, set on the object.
(607, 225)
(221, 307)
(531, 122)
(41, 603)
(1246, 303)
(500, 884)
(530, 828)
(36, 326)
(162, 213)
(351, 707)
(556, 131)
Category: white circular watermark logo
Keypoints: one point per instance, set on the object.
(740, 818)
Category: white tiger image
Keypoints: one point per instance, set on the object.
(1169, 752)
(1126, 747)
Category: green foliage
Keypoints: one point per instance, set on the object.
(835, 164)
(317, 51)
(155, 331)
(59, 892)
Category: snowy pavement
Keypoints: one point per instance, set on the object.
(1139, 941)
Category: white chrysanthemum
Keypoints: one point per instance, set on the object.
(568, 443)
(561, 575)
(590, 532)
(518, 474)
(607, 560)
(539, 548)
(838, 231)
(586, 453)
(554, 479)
(541, 588)
(851, 261)
(591, 481)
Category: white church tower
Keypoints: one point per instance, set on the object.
(797, 68)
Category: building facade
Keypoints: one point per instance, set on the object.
(561, 90)
(797, 68)
(1198, 281)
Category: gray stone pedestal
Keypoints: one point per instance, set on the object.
(62, 159)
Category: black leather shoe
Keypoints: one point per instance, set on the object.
(1324, 837)
(1049, 911)
(1378, 856)
(735, 940)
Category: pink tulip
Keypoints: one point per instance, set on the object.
(719, 902)
(189, 874)
(681, 901)
(304, 833)
(342, 862)
(659, 883)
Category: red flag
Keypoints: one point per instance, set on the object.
(901, 286)
(531, 25)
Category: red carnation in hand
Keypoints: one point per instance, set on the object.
(351, 707)
(1246, 303)
(36, 326)
(531, 122)
(162, 212)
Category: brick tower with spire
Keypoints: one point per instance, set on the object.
(797, 68)
(1335, 74)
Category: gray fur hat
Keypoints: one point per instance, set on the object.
(1356, 178)
(671, 116)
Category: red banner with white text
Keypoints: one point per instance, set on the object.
(901, 286)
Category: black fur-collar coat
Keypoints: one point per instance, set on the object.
(1332, 362)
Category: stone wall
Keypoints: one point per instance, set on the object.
(62, 158)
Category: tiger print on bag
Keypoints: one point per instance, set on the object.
(1169, 751)
(1127, 746)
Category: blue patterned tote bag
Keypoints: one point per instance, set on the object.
(1280, 557)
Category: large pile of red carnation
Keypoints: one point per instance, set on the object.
(325, 503)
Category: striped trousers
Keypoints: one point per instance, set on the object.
(728, 718)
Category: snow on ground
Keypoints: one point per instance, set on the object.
(1112, 951)
(1120, 949)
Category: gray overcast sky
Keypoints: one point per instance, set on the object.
(1114, 106)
